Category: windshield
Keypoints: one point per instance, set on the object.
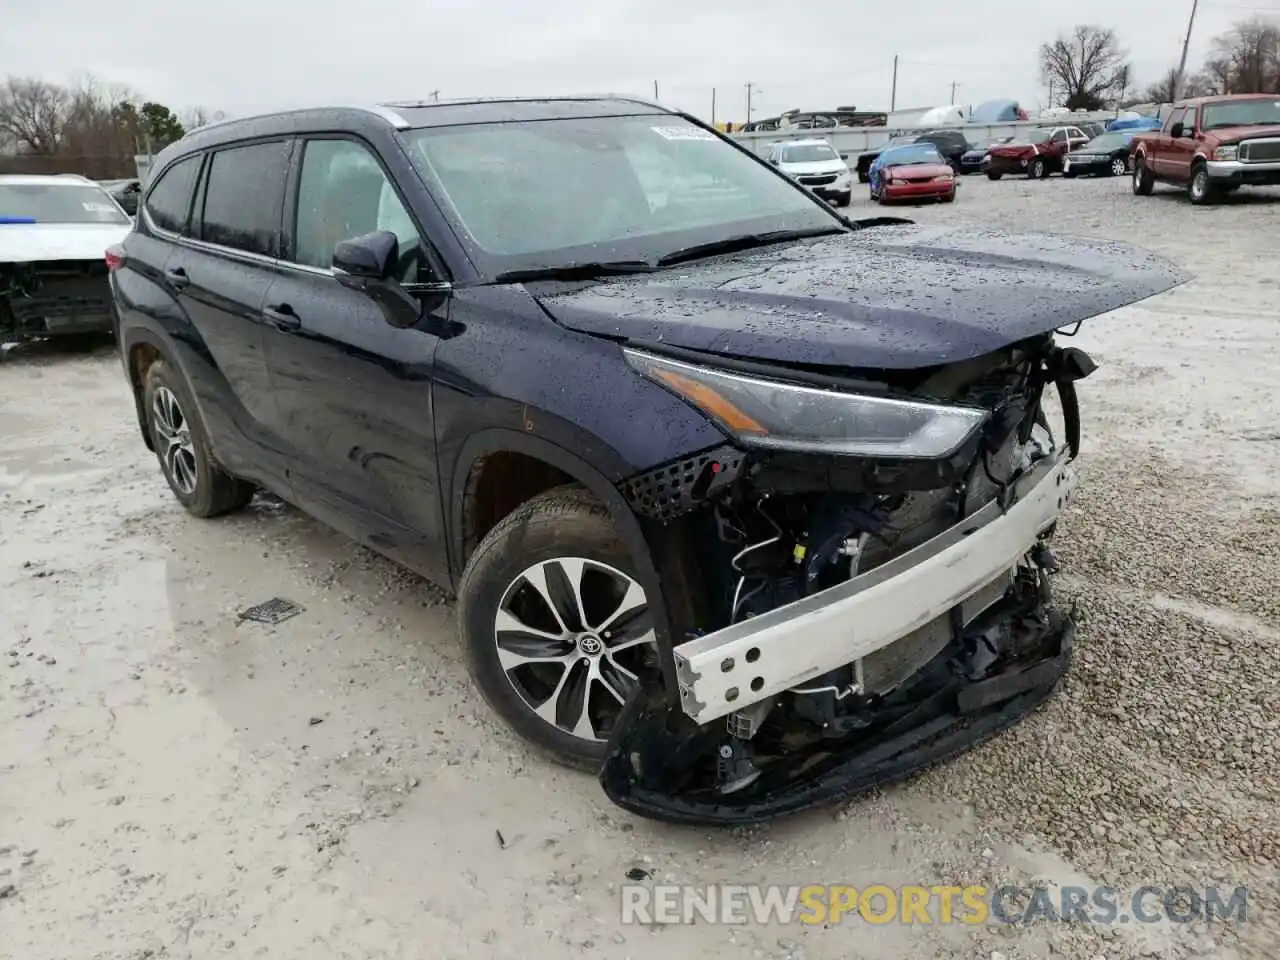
(550, 193)
(808, 153)
(914, 153)
(1107, 142)
(58, 203)
(1240, 113)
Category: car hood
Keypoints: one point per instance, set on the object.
(30, 242)
(889, 297)
(1013, 148)
(818, 166)
(916, 169)
(1232, 134)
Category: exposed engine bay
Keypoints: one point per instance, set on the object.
(52, 297)
(791, 535)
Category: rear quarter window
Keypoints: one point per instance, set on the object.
(169, 201)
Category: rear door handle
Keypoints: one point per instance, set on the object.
(177, 276)
(282, 317)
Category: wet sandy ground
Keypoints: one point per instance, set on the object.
(175, 785)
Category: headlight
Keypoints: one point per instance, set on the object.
(945, 177)
(897, 183)
(1227, 153)
(785, 416)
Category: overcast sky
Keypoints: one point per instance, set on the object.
(244, 56)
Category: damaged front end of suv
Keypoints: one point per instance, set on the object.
(876, 570)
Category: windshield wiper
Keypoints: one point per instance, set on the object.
(576, 271)
(742, 242)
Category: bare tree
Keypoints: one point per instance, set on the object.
(1215, 78)
(33, 113)
(1162, 90)
(1248, 56)
(195, 117)
(1086, 64)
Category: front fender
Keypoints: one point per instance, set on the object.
(501, 439)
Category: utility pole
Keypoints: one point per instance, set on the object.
(1051, 91)
(713, 106)
(655, 89)
(954, 84)
(1182, 64)
(434, 94)
(893, 93)
(750, 87)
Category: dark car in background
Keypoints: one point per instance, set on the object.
(1103, 156)
(974, 159)
(666, 423)
(125, 193)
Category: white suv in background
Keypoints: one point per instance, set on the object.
(815, 164)
(54, 235)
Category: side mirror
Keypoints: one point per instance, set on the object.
(773, 161)
(368, 264)
(371, 257)
(1176, 130)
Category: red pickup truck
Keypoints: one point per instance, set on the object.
(1212, 146)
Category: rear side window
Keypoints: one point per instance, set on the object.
(243, 198)
(169, 202)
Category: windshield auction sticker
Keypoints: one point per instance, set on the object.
(683, 133)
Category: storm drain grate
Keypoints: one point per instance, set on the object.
(272, 611)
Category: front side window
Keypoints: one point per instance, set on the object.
(555, 192)
(58, 202)
(344, 193)
(243, 197)
(1175, 117)
(169, 201)
(1189, 121)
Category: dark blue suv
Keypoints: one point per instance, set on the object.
(745, 504)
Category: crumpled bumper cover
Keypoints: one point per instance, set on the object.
(651, 760)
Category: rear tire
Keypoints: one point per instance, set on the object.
(1143, 181)
(994, 176)
(535, 639)
(844, 199)
(1119, 166)
(863, 176)
(182, 446)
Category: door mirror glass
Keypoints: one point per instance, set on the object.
(1176, 130)
(371, 257)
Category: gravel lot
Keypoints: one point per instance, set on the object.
(174, 785)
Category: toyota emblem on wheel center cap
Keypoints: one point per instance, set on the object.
(590, 645)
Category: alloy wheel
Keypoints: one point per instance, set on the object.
(1118, 167)
(178, 453)
(1199, 184)
(574, 637)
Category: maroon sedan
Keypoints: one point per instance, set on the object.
(915, 171)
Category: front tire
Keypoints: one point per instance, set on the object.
(555, 626)
(992, 175)
(1143, 181)
(182, 446)
(844, 199)
(1200, 189)
(1037, 170)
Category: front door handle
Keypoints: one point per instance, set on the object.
(177, 277)
(282, 317)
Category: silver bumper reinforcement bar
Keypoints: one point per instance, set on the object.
(768, 654)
